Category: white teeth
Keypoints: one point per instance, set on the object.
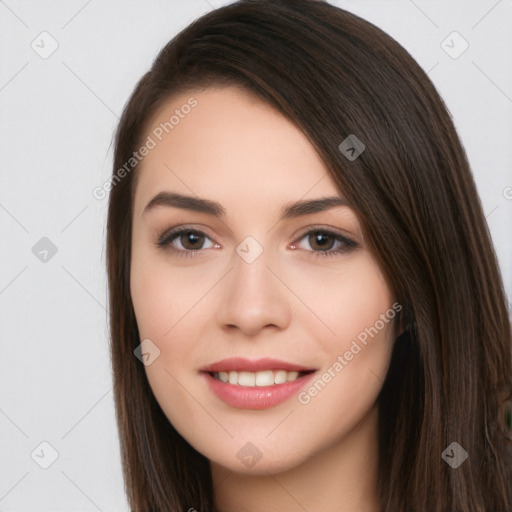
(264, 378)
(252, 379)
(280, 376)
(291, 376)
(246, 379)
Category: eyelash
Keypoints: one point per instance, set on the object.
(164, 241)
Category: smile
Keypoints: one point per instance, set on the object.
(255, 384)
(262, 378)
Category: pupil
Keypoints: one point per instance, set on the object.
(318, 240)
(191, 238)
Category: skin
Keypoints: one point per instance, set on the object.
(289, 304)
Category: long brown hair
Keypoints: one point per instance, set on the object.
(334, 74)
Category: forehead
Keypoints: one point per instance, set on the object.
(231, 146)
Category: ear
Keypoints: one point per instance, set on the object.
(400, 326)
(404, 322)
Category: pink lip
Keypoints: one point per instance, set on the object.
(257, 397)
(241, 364)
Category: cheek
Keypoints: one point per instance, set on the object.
(162, 295)
(346, 300)
(167, 301)
(163, 299)
(358, 307)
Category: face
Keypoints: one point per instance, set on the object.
(287, 304)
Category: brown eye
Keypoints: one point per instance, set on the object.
(319, 240)
(185, 241)
(191, 240)
(323, 242)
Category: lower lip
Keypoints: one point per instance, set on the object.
(257, 397)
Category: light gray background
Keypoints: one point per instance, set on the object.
(57, 119)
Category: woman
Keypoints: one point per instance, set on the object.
(298, 258)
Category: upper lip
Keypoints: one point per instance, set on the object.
(240, 364)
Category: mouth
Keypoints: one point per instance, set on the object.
(259, 379)
(255, 384)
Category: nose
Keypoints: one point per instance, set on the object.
(253, 297)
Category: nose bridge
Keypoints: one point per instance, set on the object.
(251, 260)
(252, 296)
(250, 249)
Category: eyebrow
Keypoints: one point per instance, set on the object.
(197, 204)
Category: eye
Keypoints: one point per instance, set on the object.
(184, 241)
(327, 243)
(189, 242)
